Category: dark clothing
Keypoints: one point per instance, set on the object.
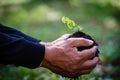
(19, 49)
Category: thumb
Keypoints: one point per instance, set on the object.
(77, 42)
(63, 37)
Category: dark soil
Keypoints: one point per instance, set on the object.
(83, 35)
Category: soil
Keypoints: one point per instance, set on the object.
(83, 35)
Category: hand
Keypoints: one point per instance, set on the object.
(62, 57)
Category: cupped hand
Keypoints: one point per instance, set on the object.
(62, 57)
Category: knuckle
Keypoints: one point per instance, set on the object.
(74, 49)
(81, 56)
(79, 59)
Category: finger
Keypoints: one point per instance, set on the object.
(90, 64)
(81, 72)
(85, 72)
(88, 53)
(65, 36)
(77, 42)
(56, 69)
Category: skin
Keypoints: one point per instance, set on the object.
(62, 57)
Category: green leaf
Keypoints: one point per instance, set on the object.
(65, 19)
(71, 24)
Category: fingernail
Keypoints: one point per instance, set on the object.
(90, 42)
(95, 48)
(96, 59)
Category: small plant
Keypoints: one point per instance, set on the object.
(71, 24)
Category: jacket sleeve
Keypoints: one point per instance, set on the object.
(19, 49)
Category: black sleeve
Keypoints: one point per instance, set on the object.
(19, 49)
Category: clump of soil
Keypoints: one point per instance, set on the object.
(79, 34)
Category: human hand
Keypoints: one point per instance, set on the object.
(62, 57)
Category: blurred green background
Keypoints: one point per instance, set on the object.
(42, 19)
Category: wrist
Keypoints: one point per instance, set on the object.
(47, 57)
(43, 62)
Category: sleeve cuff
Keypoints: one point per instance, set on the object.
(33, 55)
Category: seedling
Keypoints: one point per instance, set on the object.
(71, 24)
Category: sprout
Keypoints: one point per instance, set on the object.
(65, 19)
(71, 24)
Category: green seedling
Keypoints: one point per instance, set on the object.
(71, 24)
